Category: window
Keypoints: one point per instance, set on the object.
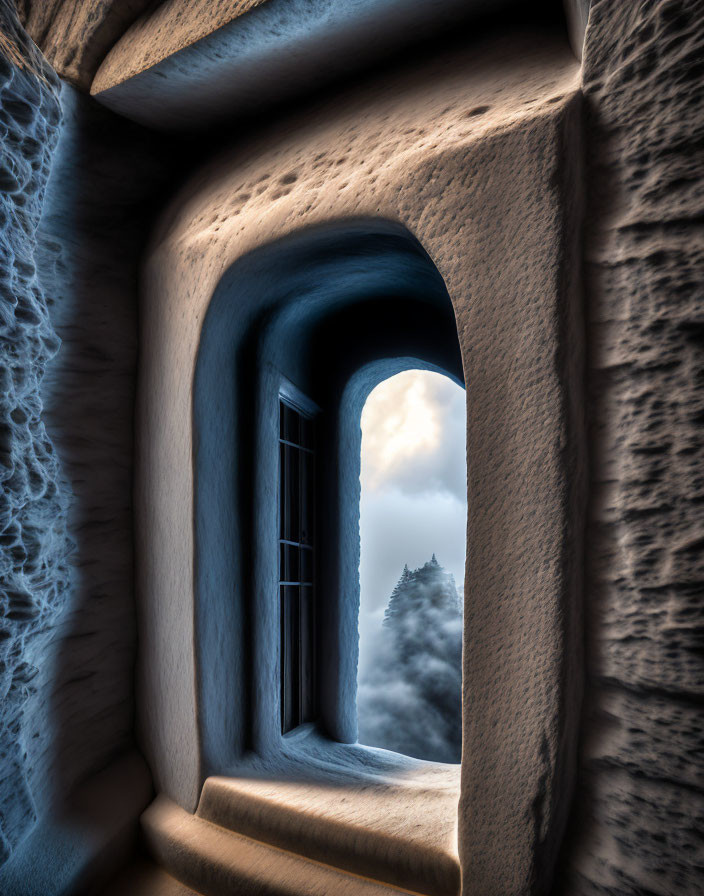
(296, 565)
(413, 503)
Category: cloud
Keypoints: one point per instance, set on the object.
(398, 528)
(413, 436)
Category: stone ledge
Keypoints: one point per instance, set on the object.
(214, 861)
(351, 807)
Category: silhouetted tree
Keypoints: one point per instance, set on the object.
(410, 692)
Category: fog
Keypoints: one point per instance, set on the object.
(413, 505)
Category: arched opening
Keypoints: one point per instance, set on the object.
(413, 512)
(365, 300)
(295, 338)
(322, 316)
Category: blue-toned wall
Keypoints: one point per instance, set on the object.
(34, 562)
(76, 188)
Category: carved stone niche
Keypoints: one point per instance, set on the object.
(459, 197)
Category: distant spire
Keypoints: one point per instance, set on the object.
(434, 560)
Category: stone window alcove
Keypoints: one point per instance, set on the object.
(353, 304)
(319, 318)
(220, 326)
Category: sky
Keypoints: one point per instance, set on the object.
(414, 494)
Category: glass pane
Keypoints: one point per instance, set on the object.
(292, 486)
(290, 665)
(296, 511)
(292, 571)
(306, 500)
(290, 424)
(283, 503)
(306, 432)
(307, 654)
(306, 557)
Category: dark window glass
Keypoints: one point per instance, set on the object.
(296, 566)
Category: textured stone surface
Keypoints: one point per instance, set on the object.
(637, 822)
(70, 245)
(75, 35)
(34, 543)
(164, 30)
(214, 861)
(145, 878)
(469, 155)
(325, 285)
(637, 827)
(79, 846)
(355, 808)
(190, 65)
(89, 240)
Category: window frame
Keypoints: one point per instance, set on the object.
(304, 705)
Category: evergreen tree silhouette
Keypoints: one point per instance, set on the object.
(410, 699)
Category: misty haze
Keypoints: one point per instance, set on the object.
(413, 504)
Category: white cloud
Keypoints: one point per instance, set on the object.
(413, 436)
(413, 483)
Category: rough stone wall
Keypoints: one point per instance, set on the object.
(34, 543)
(89, 241)
(75, 35)
(637, 827)
(78, 186)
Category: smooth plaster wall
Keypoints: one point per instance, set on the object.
(474, 156)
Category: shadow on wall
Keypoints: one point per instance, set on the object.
(73, 225)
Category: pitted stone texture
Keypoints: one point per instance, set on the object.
(75, 674)
(640, 837)
(637, 827)
(75, 35)
(34, 544)
(171, 26)
(95, 217)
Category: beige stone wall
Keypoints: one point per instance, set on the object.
(75, 35)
